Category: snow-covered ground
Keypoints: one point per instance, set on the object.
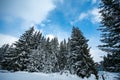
(4, 75)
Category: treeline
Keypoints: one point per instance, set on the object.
(35, 53)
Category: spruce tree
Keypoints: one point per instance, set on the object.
(81, 61)
(35, 56)
(7, 57)
(68, 53)
(110, 28)
(3, 50)
(55, 51)
(22, 49)
(48, 57)
(62, 57)
(36, 39)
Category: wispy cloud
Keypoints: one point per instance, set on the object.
(30, 11)
(7, 39)
(83, 16)
(95, 15)
(92, 15)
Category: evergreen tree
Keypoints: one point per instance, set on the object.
(62, 57)
(36, 54)
(22, 49)
(110, 28)
(3, 50)
(81, 62)
(48, 67)
(36, 39)
(110, 61)
(7, 57)
(68, 53)
(55, 51)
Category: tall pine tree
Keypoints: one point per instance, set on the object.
(110, 28)
(22, 49)
(55, 51)
(35, 56)
(62, 57)
(81, 61)
(3, 50)
(7, 57)
(48, 65)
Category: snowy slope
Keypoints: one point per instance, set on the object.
(53, 76)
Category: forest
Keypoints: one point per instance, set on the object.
(33, 52)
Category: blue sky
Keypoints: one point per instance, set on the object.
(52, 18)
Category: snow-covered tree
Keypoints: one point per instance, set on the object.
(54, 55)
(36, 39)
(81, 62)
(22, 49)
(110, 28)
(68, 54)
(110, 61)
(35, 61)
(36, 54)
(48, 57)
(62, 57)
(7, 57)
(3, 51)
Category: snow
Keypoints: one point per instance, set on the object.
(108, 75)
(5, 75)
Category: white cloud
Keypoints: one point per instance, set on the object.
(51, 36)
(30, 11)
(7, 39)
(95, 15)
(92, 15)
(83, 16)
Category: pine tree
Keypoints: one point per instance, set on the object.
(68, 54)
(22, 49)
(81, 62)
(62, 57)
(110, 28)
(48, 57)
(3, 50)
(55, 51)
(36, 54)
(36, 39)
(110, 61)
(36, 60)
(7, 57)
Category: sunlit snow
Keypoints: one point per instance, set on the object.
(4, 75)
